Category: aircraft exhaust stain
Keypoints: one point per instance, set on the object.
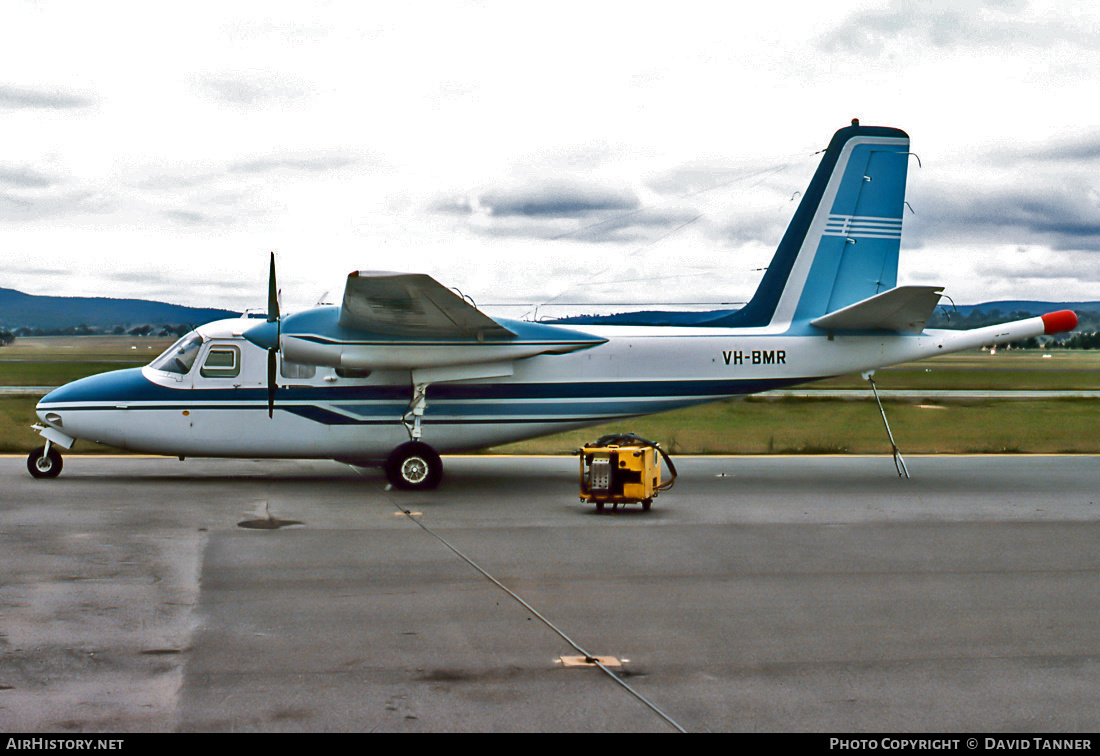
(265, 520)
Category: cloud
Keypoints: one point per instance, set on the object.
(949, 26)
(217, 196)
(25, 178)
(1083, 148)
(250, 90)
(163, 182)
(21, 207)
(255, 167)
(196, 218)
(164, 279)
(557, 201)
(22, 268)
(557, 210)
(21, 98)
(1044, 194)
(307, 163)
(1062, 216)
(758, 227)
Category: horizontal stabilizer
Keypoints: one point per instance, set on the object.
(412, 304)
(905, 309)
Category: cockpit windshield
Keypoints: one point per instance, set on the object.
(179, 357)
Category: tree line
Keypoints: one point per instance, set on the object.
(1087, 320)
(1075, 340)
(7, 335)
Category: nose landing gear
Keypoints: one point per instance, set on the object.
(45, 462)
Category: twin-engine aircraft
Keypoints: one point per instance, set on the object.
(405, 370)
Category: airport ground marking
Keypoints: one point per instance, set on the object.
(589, 659)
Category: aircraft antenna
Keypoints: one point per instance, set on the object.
(953, 305)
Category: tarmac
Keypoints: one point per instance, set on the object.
(760, 594)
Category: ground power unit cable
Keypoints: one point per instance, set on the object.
(589, 658)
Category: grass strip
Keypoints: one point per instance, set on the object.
(838, 426)
(756, 425)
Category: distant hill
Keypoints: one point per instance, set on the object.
(946, 315)
(1036, 308)
(55, 314)
(19, 310)
(990, 313)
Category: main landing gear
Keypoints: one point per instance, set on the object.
(45, 462)
(414, 466)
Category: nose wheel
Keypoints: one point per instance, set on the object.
(414, 466)
(44, 462)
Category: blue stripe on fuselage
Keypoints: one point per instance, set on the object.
(508, 402)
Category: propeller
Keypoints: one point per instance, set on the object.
(268, 335)
(272, 317)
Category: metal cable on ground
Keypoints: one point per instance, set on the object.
(587, 656)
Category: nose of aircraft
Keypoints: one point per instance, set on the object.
(76, 409)
(51, 399)
(38, 408)
(105, 387)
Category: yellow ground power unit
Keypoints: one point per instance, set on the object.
(623, 469)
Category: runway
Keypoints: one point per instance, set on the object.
(775, 594)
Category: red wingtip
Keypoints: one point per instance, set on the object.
(1057, 322)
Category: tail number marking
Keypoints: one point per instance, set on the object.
(755, 357)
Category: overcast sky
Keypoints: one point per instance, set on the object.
(532, 152)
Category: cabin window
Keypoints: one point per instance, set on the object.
(222, 362)
(290, 369)
(179, 357)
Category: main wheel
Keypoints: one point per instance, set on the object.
(414, 466)
(43, 465)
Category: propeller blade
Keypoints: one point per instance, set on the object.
(272, 317)
(271, 386)
(272, 294)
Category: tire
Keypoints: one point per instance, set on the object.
(414, 466)
(42, 465)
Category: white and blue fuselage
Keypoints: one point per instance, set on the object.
(404, 369)
(340, 414)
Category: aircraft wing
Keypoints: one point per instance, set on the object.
(412, 304)
(409, 321)
(904, 308)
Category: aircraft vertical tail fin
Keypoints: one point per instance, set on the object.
(842, 244)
